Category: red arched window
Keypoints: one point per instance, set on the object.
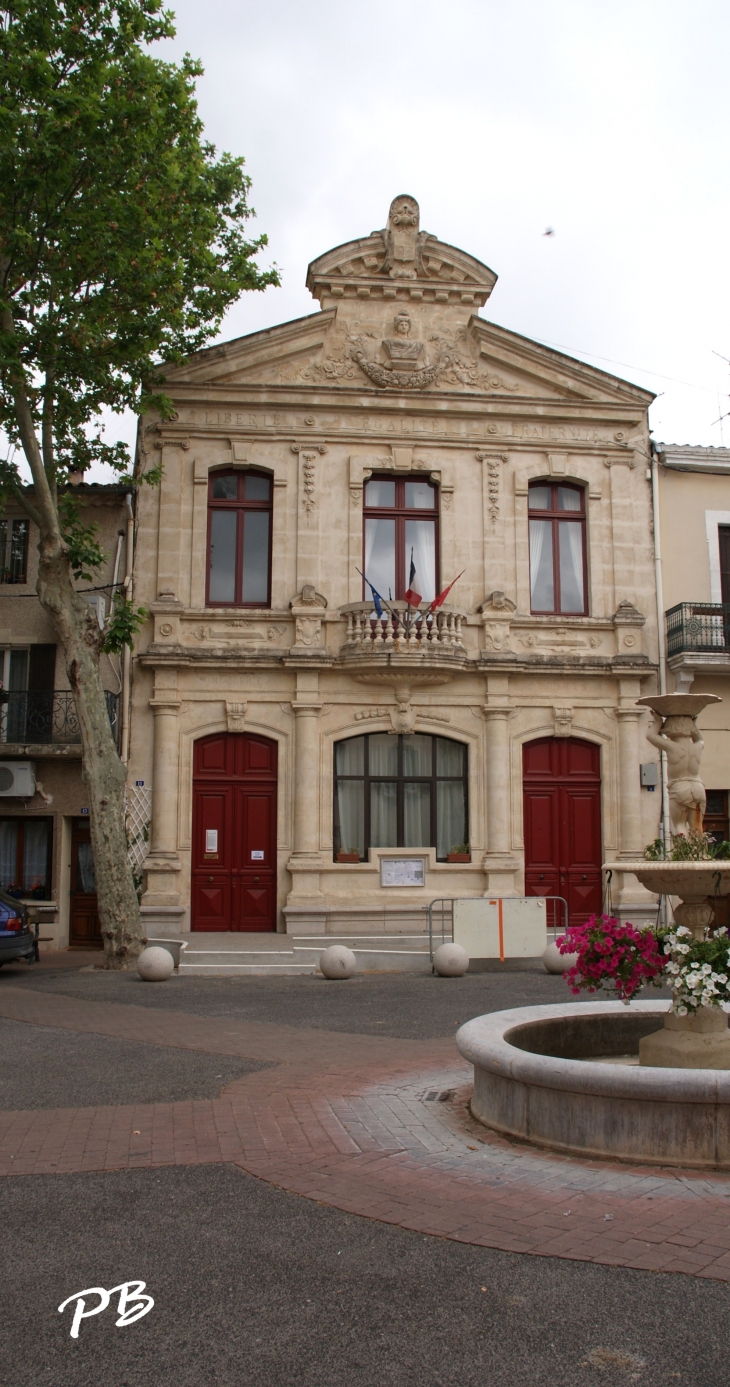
(558, 573)
(239, 539)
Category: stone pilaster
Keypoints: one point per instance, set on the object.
(305, 860)
(499, 864)
(162, 863)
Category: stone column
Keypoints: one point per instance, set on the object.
(306, 779)
(630, 842)
(301, 911)
(631, 901)
(163, 860)
(499, 864)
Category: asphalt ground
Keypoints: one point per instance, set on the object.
(405, 1006)
(44, 1067)
(257, 1288)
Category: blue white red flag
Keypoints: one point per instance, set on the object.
(413, 597)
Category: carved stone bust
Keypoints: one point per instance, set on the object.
(401, 350)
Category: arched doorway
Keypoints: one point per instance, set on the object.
(561, 779)
(234, 833)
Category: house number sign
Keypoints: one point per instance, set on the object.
(402, 871)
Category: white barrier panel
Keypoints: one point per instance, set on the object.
(513, 927)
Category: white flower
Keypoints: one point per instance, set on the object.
(684, 949)
(681, 1011)
(722, 977)
(706, 968)
(682, 929)
(721, 930)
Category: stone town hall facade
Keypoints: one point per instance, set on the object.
(296, 741)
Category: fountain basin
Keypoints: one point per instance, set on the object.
(544, 1075)
(691, 881)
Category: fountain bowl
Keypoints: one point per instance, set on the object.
(691, 881)
(567, 1078)
(676, 705)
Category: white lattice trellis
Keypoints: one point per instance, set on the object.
(138, 816)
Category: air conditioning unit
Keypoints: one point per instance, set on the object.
(17, 778)
(99, 604)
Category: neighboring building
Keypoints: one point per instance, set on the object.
(694, 515)
(296, 743)
(45, 849)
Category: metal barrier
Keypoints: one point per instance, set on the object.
(443, 907)
(446, 907)
(47, 716)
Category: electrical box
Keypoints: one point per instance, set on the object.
(649, 775)
(511, 927)
(17, 778)
(98, 602)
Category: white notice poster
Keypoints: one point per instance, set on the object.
(211, 840)
(402, 871)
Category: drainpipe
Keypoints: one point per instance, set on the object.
(115, 579)
(661, 630)
(127, 654)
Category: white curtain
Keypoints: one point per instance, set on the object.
(450, 816)
(380, 555)
(351, 815)
(542, 596)
(8, 849)
(35, 854)
(87, 875)
(383, 814)
(571, 567)
(421, 538)
(416, 814)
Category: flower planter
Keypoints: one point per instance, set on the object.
(458, 857)
(348, 857)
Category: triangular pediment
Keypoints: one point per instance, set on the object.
(269, 356)
(336, 349)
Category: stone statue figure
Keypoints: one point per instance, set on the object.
(402, 351)
(682, 741)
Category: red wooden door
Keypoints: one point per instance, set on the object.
(234, 833)
(562, 820)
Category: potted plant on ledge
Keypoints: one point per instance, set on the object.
(460, 853)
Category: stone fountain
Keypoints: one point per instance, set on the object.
(599, 1078)
(702, 1040)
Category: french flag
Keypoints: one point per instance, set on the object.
(413, 598)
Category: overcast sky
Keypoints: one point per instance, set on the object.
(605, 122)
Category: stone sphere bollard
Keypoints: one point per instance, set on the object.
(337, 962)
(554, 961)
(451, 961)
(155, 964)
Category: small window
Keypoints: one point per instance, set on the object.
(13, 551)
(558, 576)
(400, 524)
(239, 540)
(25, 856)
(400, 792)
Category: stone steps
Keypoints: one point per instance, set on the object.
(292, 955)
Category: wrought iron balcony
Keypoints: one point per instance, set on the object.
(698, 627)
(47, 717)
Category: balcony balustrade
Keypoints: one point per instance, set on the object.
(434, 633)
(48, 717)
(699, 628)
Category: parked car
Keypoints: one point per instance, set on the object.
(17, 935)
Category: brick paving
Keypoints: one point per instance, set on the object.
(360, 1123)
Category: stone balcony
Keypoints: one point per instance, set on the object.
(410, 638)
